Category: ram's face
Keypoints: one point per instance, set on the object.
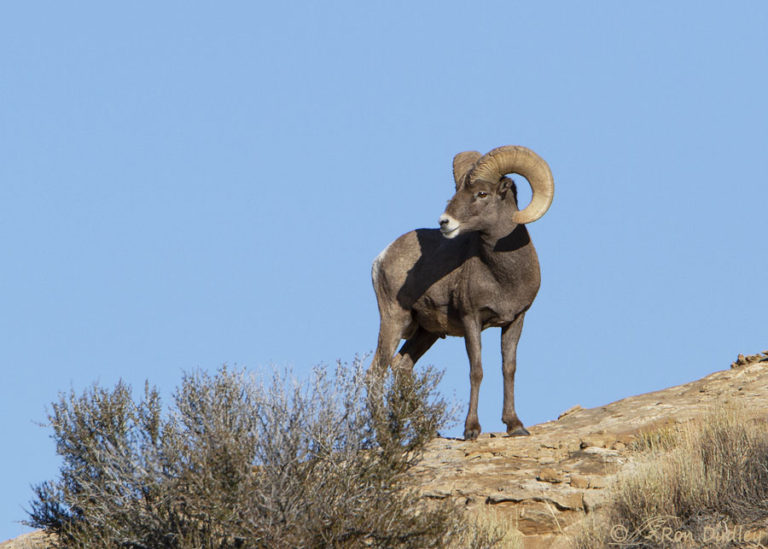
(475, 206)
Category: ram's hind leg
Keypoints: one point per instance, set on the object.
(394, 324)
(413, 349)
(389, 337)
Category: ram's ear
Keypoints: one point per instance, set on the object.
(462, 163)
(506, 184)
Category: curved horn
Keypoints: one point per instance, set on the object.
(462, 163)
(514, 159)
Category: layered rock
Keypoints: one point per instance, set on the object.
(547, 483)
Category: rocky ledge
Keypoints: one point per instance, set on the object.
(547, 483)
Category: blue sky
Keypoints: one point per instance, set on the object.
(189, 184)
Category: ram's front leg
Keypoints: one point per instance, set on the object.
(472, 329)
(510, 335)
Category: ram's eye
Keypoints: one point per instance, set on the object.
(482, 194)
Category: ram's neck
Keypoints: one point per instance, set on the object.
(506, 255)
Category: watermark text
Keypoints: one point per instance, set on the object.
(658, 530)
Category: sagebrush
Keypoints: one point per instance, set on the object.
(700, 484)
(237, 461)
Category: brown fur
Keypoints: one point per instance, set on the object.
(429, 286)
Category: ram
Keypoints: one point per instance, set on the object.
(479, 270)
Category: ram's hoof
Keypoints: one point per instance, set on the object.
(471, 433)
(519, 432)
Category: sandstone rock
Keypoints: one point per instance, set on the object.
(547, 483)
(570, 410)
(33, 540)
(593, 501)
(550, 475)
(598, 482)
(579, 481)
(742, 360)
(598, 440)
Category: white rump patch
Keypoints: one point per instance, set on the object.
(377, 265)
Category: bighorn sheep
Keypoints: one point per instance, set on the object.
(478, 270)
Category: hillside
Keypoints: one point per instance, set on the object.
(545, 484)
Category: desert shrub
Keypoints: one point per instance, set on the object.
(655, 440)
(239, 462)
(488, 527)
(704, 484)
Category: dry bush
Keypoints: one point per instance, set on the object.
(704, 484)
(660, 439)
(489, 528)
(239, 462)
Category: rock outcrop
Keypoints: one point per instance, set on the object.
(547, 483)
(32, 540)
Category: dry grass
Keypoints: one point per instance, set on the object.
(700, 484)
(489, 528)
(661, 439)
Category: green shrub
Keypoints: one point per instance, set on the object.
(237, 462)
